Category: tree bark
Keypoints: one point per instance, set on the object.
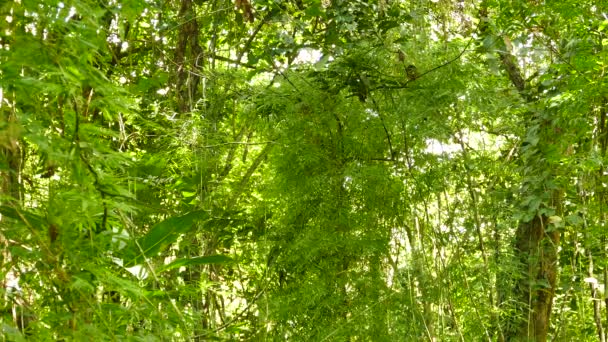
(536, 240)
(536, 245)
(10, 152)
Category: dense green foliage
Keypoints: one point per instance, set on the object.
(308, 170)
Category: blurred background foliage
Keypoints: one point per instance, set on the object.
(315, 170)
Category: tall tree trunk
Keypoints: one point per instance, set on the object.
(188, 57)
(536, 245)
(10, 153)
(537, 239)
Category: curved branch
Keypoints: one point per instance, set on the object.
(402, 85)
(253, 35)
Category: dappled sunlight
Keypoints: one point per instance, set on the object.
(303, 170)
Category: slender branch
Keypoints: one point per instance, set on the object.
(237, 316)
(240, 143)
(230, 158)
(391, 160)
(194, 18)
(258, 160)
(402, 85)
(253, 35)
(233, 61)
(388, 136)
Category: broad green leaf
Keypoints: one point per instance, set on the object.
(211, 259)
(161, 236)
(29, 219)
(574, 220)
(314, 11)
(12, 333)
(555, 219)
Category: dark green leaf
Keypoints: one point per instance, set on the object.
(161, 236)
(211, 259)
(29, 219)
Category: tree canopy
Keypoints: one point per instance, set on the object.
(307, 170)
